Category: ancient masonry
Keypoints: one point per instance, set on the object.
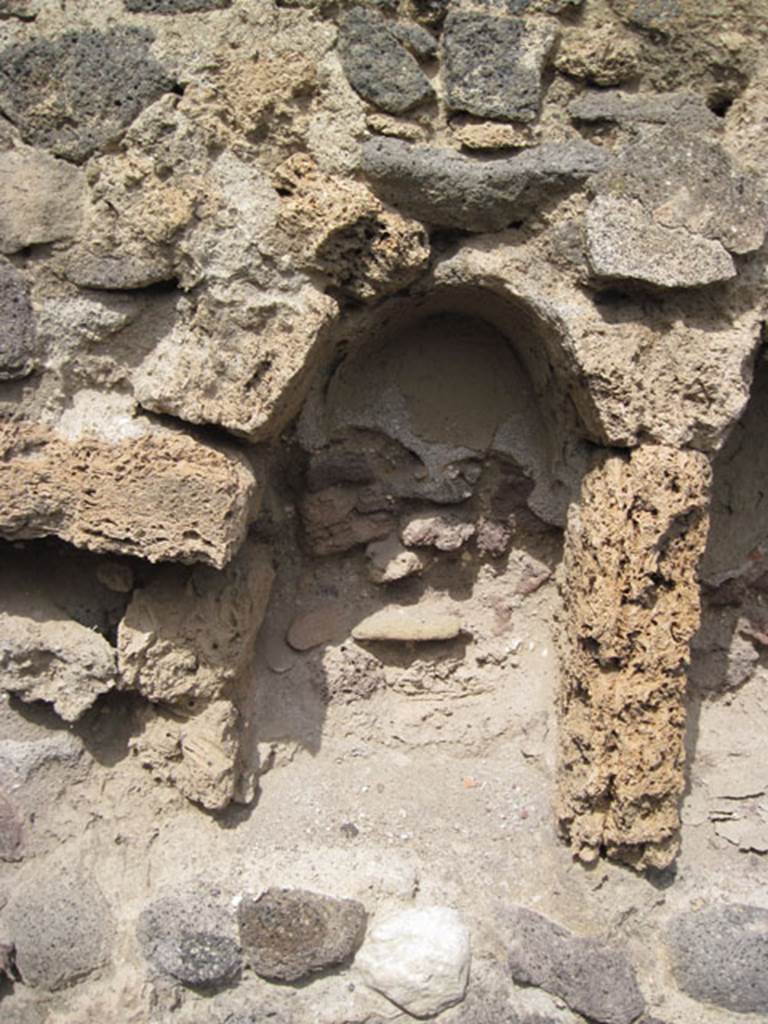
(383, 511)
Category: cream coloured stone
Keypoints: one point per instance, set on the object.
(413, 623)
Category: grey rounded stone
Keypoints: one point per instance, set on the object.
(720, 956)
(191, 939)
(61, 927)
(593, 977)
(10, 831)
(76, 92)
(287, 934)
(19, 348)
(377, 66)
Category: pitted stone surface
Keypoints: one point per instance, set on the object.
(631, 607)
(627, 108)
(377, 66)
(442, 187)
(624, 242)
(77, 92)
(19, 348)
(62, 928)
(594, 978)
(685, 180)
(493, 65)
(287, 934)
(162, 496)
(192, 939)
(720, 956)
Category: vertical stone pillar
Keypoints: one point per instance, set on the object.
(631, 607)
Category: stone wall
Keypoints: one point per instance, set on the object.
(382, 511)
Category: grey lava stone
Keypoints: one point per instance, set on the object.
(74, 93)
(720, 956)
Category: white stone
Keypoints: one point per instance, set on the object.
(419, 959)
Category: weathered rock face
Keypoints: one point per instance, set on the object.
(494, 65)
(594, 978)
(287, 934)
(719, 955)
(61, 662)
(42, 198)
(191, 938)
(79, 91)
(62, 929)
(190, 632)
(195, 747)
(377, 66)
(442, 187)
(162, 495)
(631, 606)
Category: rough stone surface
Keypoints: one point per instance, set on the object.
(377, 66)
(77, 92)
(175, 6)
(419, 959)
(161, 496)
(719, 955)
(411, 624)
(442, 187)
(594, 977)
(237, 371)
(338, 518)
(62, 928)
(341, 229)
(41, 198)
(390, 561)
(191, 938)
(58, 661)
(631, 606)
(599, 56)
(443, 532)
(195, 748)
(626, 108)
(624, 242)
(19, 348)
(493, 65)
(287, 934)
(190, 632)
(685, 180)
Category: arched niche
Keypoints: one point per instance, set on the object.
(454, 375)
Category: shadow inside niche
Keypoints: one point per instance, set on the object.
(429, 410)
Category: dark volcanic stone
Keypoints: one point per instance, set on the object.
(720, 956)
(652, 15)
(175, 6)
(18, 345)
(74, 93)
(594, 978)
(289, 933)
(445, 188)
(191, 939)
(61, 927)
(493, 65)
(377, 66)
